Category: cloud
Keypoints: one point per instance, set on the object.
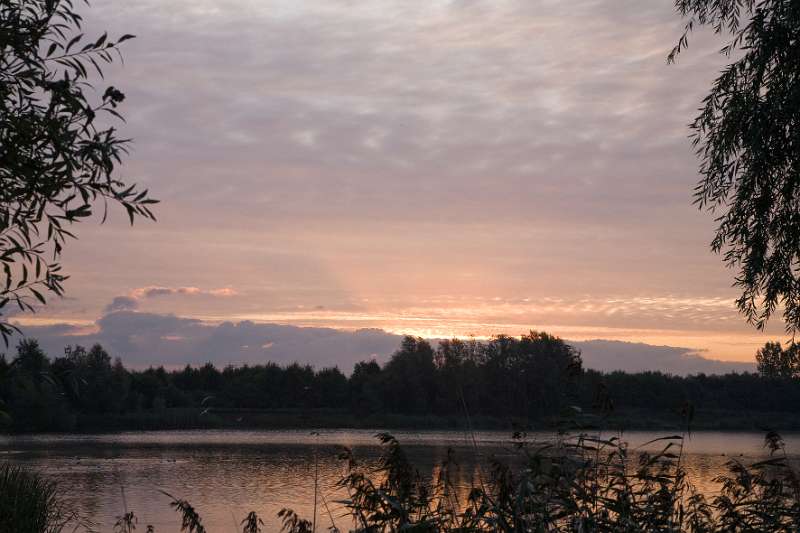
(144, 339)
(122, 303)
(607, 356)
(334, 152)
(153, 292)
(135, 297)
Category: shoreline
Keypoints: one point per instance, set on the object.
(279, 419)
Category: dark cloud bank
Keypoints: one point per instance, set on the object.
(143, 339)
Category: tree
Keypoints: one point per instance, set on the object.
(57, 151)
(409, 384)
(90, 380)
(365, 384)
(748, 141)
(776, 362)
(531, 376)
(330, 387)
(31, 360)
(34, 398)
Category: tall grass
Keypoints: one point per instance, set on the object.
(575, 484)
(31, 504)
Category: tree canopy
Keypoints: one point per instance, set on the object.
(58, 151)
(748, 141)
(774, 361)
(534, 380)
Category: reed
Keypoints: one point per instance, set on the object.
(573, 483)
(31, 504)
(579, 483)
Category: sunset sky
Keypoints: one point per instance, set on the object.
(426, 167)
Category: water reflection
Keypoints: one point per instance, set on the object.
(227, 474)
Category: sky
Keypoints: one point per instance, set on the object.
(436, 168)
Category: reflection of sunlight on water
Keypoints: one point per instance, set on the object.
(227, 474)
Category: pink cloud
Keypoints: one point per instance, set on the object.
(153, 291)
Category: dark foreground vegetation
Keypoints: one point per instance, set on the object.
(573, 484)
(524, 382)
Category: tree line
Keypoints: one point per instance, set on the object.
(536, 377)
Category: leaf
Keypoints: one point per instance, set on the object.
(130, 211)
(72, 42)
(670, 438)
(38, 296)
(7, 270)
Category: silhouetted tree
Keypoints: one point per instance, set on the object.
(330, 388)
(31, 361)
(365, 382)
(57, 159)
(776, 362)
(530, 376)
(297, 386)
(526, 380)
(747, 137)
(458, 375)
(33, 398)
(408, 379)
(91, 381)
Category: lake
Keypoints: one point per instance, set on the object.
(226, 474)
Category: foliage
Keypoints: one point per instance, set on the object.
(534, 379)
(91, 381)
(32, 397)
(776, 362)
(531, 377)
(747, 136)
(571, 483)
(252, 523)
(127, 524)
(574, 484)
(57, 153)
(190, 519)
(30, 504)
(293, 523)
(762, 497)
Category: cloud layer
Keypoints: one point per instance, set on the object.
(440, 167)
(145, 339)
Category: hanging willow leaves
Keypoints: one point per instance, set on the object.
(58, 152)
(747, 137)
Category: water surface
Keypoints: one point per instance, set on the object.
(226, 474)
